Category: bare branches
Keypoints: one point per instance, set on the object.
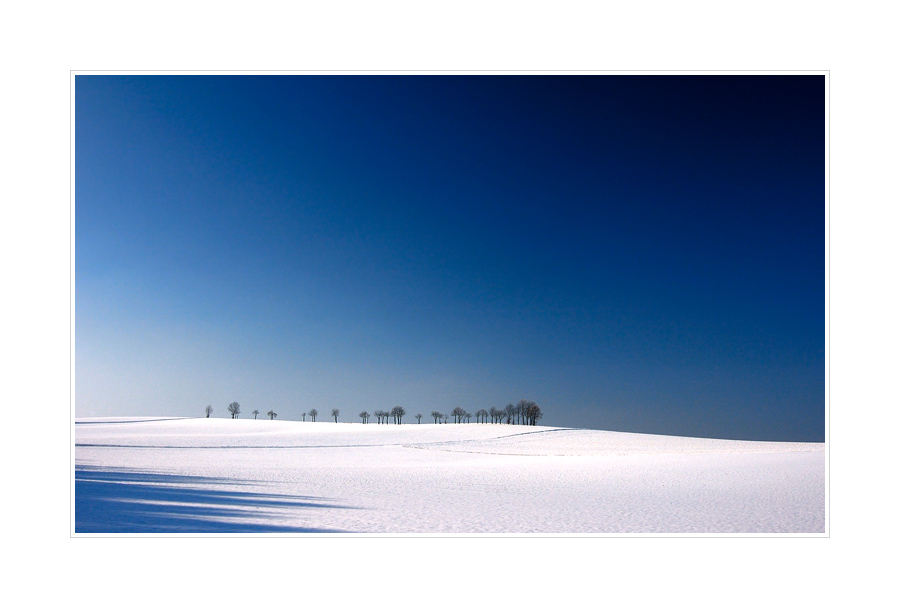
(397, 414)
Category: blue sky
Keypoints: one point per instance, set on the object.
(638, 253)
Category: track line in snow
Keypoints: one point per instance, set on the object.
(420, 445)
(81, 422)
(236, 447)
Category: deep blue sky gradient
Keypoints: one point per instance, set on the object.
(639, 253)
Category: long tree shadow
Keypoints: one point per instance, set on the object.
(128, 501)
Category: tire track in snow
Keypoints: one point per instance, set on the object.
(462, 442)
(80, 422)
(418, 445)
(235, 447)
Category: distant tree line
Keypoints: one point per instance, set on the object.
(524, 412)
(234, 408)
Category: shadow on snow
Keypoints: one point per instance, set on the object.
(129, 501)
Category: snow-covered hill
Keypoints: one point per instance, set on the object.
(185, 475)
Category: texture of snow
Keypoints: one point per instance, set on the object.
(151, 475)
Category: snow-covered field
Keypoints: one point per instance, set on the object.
(187, 475)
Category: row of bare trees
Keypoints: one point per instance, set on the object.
(314, 413)
(524, 412)
(383, 417)
(234, 408)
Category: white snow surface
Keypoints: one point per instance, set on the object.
(217, 476)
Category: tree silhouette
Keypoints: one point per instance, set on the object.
(271, 414)
(312, 414)
(436, 416)
(234, 408)
(398, 413)
(418, 418)
(208, 410)
(364, 416)
(303, 415)
(457, 414)
(533, 413)
(522, 409)
(255, 414)
(335, 413)
(481, 415)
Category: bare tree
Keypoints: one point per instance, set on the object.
(271, 414)
(496, 415)
(444, 418)
(510, 412)
(364, 416)
(335, 413)
(312, 414)
(436, 416)
(208, 410)
(418, 418)
(398, 413)
(458, 414)
(481, 415)
(303, 415)
(255, 414)
(533, 413)
(522, 410)
(468, 417)
(234, 408)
